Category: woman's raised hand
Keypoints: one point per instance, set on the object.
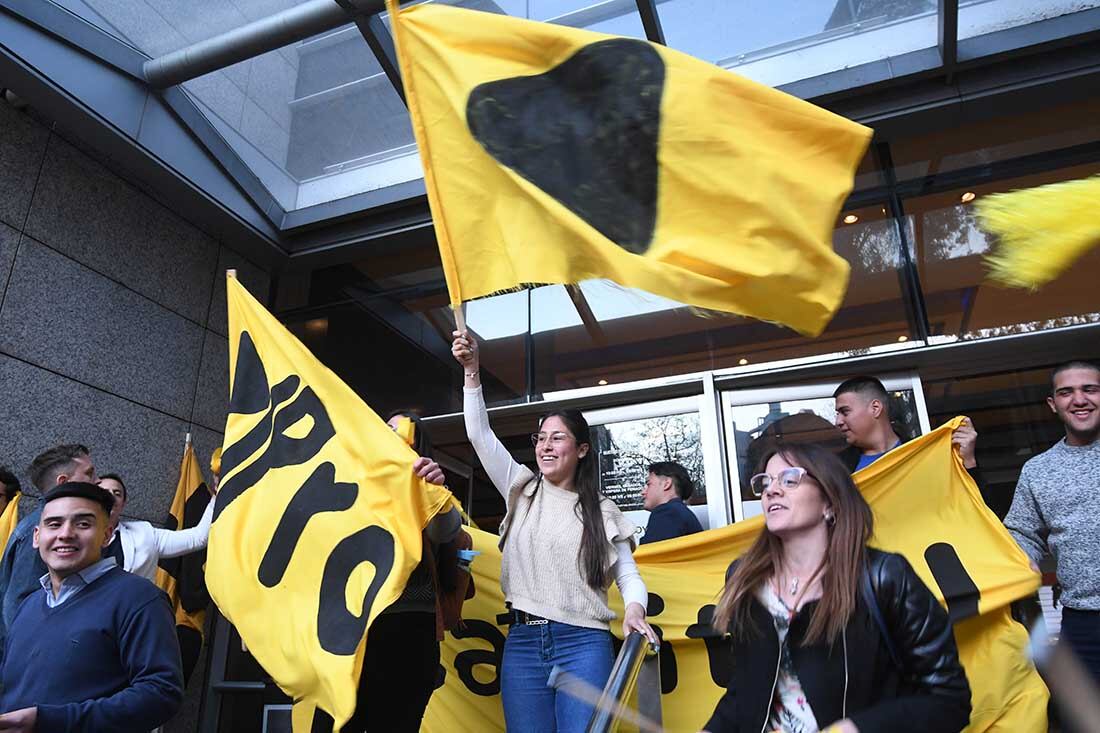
(465, 351)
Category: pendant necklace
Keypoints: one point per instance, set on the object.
(794, 586)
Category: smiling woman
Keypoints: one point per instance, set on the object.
(563, 543)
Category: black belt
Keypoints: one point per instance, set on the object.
(515, 616)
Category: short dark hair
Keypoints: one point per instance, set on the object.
(1071, 364)
(47, 466)
(81, 490)
(869, 387)
(10, 483)
(116, 477)
(681, 479)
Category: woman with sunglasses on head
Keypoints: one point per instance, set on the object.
(828, 633)
(562, 543)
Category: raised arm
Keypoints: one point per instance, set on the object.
(185, 541)
(503, 470)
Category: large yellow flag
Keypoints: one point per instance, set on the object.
(318, 515)
(8, 520)
(926, 507)
(555, 155)
(182, 578)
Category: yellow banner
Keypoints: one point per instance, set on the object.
(555, 155)
(926, 508)
(318, 515)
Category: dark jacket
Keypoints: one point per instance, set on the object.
(670, 520)
(855, 677)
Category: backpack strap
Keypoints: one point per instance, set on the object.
(870, 599)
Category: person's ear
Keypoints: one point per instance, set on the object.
(1050, 403)
(582, 450)
(34, 539)
(876, 408)
(666, 483)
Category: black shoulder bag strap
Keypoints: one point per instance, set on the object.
(871, 601)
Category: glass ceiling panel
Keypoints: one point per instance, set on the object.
(978, 17)
(776, 42)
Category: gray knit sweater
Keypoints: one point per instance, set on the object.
(1056, 508)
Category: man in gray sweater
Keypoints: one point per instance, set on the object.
(1057, 503)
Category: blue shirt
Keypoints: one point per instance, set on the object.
(866, 460)
(669, 520)
(75, 583)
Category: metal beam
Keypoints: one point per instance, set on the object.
(263, 35)
(651, 21)
(382, 46)
(948, 36)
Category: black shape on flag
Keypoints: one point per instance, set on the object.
(586, 132)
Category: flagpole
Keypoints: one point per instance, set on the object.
(460, 318)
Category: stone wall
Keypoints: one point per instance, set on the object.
(112, 321)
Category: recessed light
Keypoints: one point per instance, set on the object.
(602, 382)
(903, 338)
(743, 362)
(851, 219)
(967, 197)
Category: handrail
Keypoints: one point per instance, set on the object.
(622, 682)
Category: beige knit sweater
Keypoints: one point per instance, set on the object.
(541, 538)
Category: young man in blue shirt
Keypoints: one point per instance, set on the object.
(667, 487)
(94, 649)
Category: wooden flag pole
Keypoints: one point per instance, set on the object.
(231, 272)
(460, 318)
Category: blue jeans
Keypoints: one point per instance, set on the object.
(530, 652)
(1081, 630)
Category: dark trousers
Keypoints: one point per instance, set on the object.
(399, 674)
(1081, 630)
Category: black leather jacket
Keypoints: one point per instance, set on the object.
(855, 677)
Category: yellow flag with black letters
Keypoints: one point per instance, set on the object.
(318, 517)
(556, 155)
(182, 578)
(926, 507)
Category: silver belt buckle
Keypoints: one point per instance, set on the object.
(540, 622)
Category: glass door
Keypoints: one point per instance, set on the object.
(629, 438)
(755, 418)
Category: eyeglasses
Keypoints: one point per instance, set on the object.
(555, 439)
(788, 479)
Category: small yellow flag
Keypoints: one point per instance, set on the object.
(8, 520)
(182, 577)
(318, 517)
(556, 155)
(926, 508)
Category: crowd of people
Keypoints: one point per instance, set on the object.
(826, 631)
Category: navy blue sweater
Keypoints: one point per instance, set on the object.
(107, 659)
(669, 520)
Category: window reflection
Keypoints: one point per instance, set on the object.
(961, 303)
(978, 17)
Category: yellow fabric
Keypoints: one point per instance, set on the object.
(190, 481)
(295, 583)
(8, 520)
(921, 495)
(1041, 231)
(749, 179)
(406, 429)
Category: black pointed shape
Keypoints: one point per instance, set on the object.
(586, 132)
(251, 392)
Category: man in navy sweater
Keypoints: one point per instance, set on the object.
(666, 489)
(95, 650)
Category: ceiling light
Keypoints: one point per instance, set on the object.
(902, 339)
(743, 362)
(967, 197)
(602, 382)
(851, 219)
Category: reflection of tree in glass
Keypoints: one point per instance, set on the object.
(869, 248)
(848, 12)
(635, 444)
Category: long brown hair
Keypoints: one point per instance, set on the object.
(844, 558)
(593, 559)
